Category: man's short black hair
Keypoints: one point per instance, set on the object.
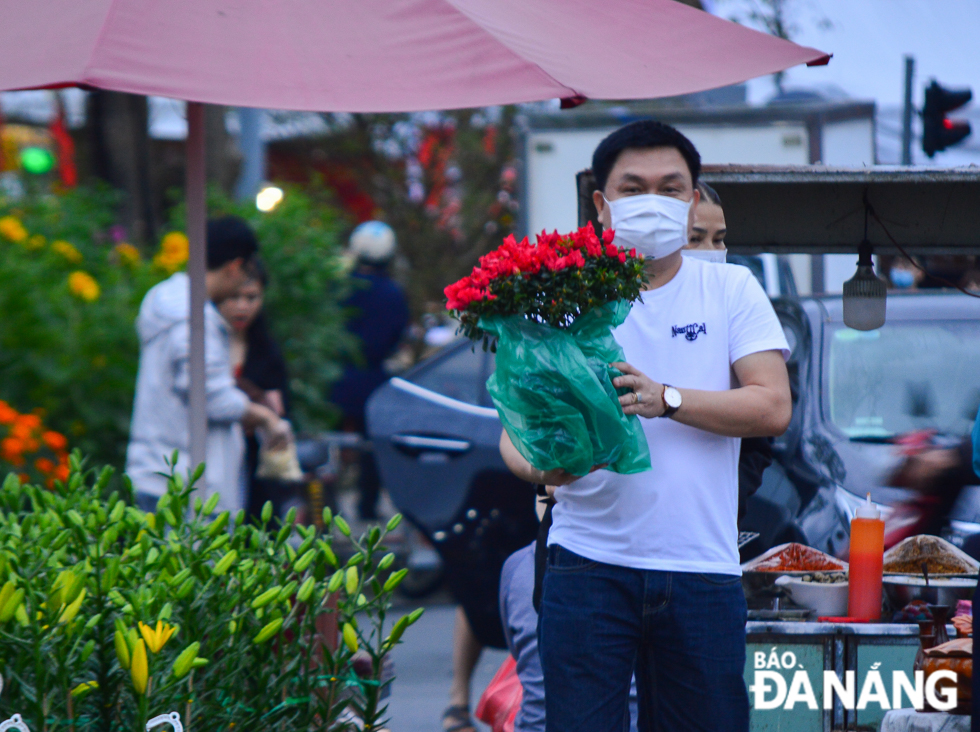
(644, 133)
(230, 238)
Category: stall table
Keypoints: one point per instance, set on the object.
(837, 647)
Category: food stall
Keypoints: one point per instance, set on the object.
(798, 634)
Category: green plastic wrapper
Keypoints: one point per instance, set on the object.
(553, 391)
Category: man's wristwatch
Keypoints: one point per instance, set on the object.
(671, 399)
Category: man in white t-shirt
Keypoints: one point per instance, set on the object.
(643, 569)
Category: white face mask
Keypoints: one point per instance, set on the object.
(718, 256)
(654, 225)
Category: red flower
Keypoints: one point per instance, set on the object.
(553, 280)
(7, 413)
(54, 440)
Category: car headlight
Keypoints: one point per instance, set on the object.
(848, 503)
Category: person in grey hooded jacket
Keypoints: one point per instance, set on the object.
(160, 409)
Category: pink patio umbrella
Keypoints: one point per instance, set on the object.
(370, 56)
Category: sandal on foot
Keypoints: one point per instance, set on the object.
(456, 718)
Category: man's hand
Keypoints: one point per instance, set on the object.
(645, 398)
(760, 407)
(525, 471)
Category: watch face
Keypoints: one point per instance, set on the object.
(672, 397)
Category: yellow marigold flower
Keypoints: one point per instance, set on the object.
(175, 243)
(128, 254)
(67, 250)
(11, 228)
(156, 638)
(140, 668)
(174, 250)
(36, 242)
(83, 285)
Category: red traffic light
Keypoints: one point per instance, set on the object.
(938, 131)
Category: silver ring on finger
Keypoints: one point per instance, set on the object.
(639, 396)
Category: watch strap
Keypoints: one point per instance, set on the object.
(669, 411)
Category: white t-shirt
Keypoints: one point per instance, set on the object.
(681, 515)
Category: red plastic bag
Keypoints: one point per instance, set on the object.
(502, 698)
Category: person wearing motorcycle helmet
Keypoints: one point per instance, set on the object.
(379, 318)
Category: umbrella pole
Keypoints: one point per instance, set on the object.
(196, 269)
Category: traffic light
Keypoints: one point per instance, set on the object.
(938, 131)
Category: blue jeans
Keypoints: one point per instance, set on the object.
(682, 633)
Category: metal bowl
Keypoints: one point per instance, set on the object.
(903, 589)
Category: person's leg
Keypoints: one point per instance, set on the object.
(370, 487)
(466, 653)
(656, 598)
(695, 646)
(588, 632)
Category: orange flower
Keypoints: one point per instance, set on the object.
(44, 465)
(31, 445)
(55, 440)
(61, 473)
(24, 478)
(7, 413)
(31, 420)
(11, 448)
(20, 430)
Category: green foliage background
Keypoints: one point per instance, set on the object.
(77, 360)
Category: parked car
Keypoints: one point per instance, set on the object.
(853, 392)
(435, 431)
(435, 435)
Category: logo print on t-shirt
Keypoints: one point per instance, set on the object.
(690, 332)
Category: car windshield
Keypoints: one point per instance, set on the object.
(904, 377)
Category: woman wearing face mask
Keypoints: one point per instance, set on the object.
(707, 238)
(259, 369)
(904, 275)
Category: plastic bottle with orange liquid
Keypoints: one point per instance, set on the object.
(865, 562)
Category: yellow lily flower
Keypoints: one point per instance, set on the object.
(70, 611)
(156, 638)
(140, 669)
(122, 650)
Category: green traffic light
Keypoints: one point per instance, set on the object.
(36, 160)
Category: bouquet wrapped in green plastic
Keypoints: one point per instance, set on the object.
(548, 309)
